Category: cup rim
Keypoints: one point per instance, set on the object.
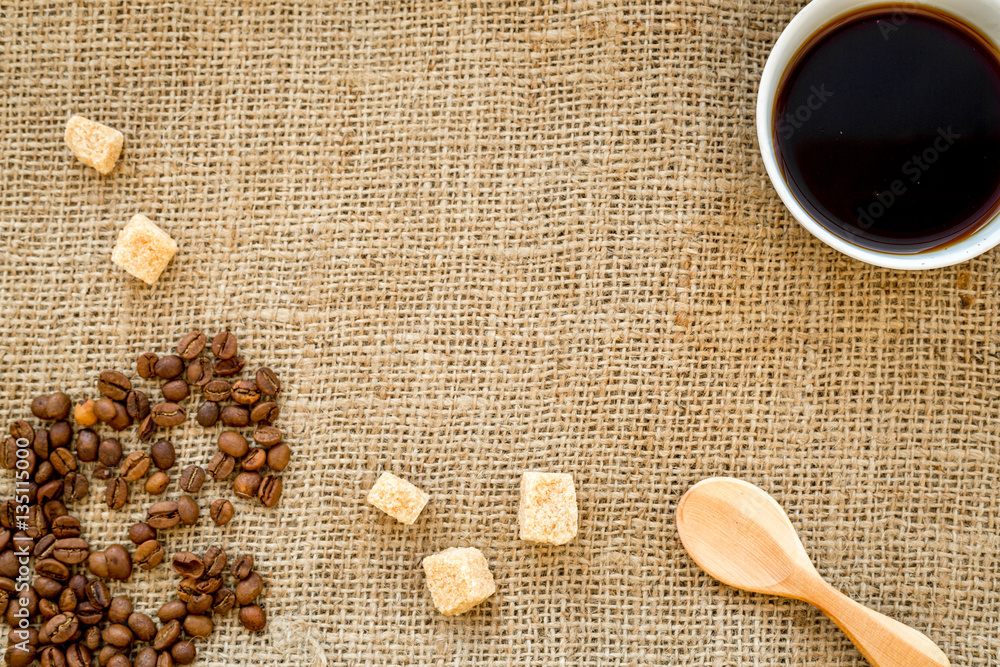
(799, 30)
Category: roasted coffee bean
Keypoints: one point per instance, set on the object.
(209, 585)
(135, 466)
(121, 419)
(104, 408)
(199, 372)
(230, 366)
(183, 652)
(163, 455)
(253, 618)
(66, 526)
(71, 550)
(47, 588)
(119, 562)
(20, 655)
(101, 472)
(191, 345)
(48, 608)
(62, 460)
(114, 385)
(6, 539)
(232, 443)
(215, 560)
(142, 626)
(44, 472)
(78, 584)
(44, 548)
(141, 532)
(167, 414)
(107, 653)
(87, 443)
(22, 429)
(163, 514)
(91, 638)
(187, 510)
(88, 614)
(97, 563)
(242, 567)
(264, 413)
(171, 611)
(198, 626)
(245, 484)
(224, 345)
(148, 555)
(278, 457)
(98, 594)
(146, 429)
(187, 564)
(188, 588)
(58, 405)
(157, 483)
(38, 524)
(208, 414)
(175, 391)
(9, 565)
(168, 634)
(67, 600)
(41, 445)
(164, 660)
(222, 512)
(109, 452)
(118, 635)
(137, 405)
(267, 382)
(235, 416)
(168, 367)
(83, 413)
(60, 434)
(51, 657)
(61, 627)
(76, 487)
(39, 406)
(50, 491)
(245, 392)
(8, 455)
(221, 466)
(267, 436)
(54, 509)
(120, 609)
(269, 492)
(199, 604)
(192, 478)
(223, 601)
(255, 459)
(116, 493)
(145, 658)
(145, 364)
(217, 390)
(120, 660)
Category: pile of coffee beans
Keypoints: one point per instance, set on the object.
(62, 617)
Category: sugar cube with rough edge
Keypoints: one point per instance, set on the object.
(94, 144)
(143, 249)
(459, 579)
(548, 507)
(397, 498)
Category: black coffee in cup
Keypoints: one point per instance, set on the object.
(887, 128)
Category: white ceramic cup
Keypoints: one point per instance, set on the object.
(983, 15)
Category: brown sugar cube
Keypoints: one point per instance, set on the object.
(459, 579)
(93, 144)
(548, 507)
(397, 498)
(143, 249)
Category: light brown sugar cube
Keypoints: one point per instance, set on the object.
(548, 507)
(95, 145)
(459, 579)
(143, 249)
(397, 498)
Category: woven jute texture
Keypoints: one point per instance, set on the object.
(476, 238)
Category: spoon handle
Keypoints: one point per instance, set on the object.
(883, 641)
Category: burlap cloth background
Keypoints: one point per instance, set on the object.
(475, 238)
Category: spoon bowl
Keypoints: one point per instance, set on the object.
(740, 535)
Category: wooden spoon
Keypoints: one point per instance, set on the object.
(740, 535)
